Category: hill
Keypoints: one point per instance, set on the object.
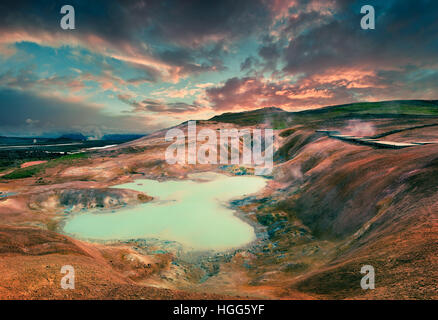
(361, 110)
(330, 207)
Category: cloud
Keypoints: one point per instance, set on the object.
(338, 41)
(293, 54)
(26, 79)
(27, 113)
(315, 54)
(335, 86)
(159, 106)
(192, 24)
(168, 40)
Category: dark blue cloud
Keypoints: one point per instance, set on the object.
(23, 112)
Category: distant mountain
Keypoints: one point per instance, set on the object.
(22, 141)
(73, 136)
(68, 138)
(106, 137)
(122, 137)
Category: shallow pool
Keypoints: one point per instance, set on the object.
(191, 212)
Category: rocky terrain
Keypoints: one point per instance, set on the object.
(330, 207)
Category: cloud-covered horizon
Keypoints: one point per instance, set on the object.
(135, 66)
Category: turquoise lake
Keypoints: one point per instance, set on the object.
(191, 212)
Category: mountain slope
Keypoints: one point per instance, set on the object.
(330, 208)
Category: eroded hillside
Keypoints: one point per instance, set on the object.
(330, 207)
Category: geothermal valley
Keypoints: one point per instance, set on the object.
(352, 185)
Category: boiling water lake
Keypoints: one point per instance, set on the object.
(191, 212)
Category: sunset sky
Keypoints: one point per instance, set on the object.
(136, 66)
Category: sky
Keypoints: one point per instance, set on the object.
(136, 66)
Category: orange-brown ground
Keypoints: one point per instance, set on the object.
(32, 163)
(330, 208)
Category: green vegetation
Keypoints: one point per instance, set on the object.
(5, 164)
(253, 117)
(279, 123)
(287, 133)
(384, 109)
(31, 171)
(67, 159)
(10, 159)
(23, 172)
(280, 119)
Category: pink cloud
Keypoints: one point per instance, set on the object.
(122, 50)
